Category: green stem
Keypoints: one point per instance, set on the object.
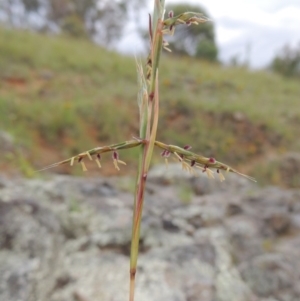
(148, 128)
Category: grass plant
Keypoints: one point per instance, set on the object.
(148, 103)
(81, 88)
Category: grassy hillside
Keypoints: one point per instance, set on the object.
(61, 96)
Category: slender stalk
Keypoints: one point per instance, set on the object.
(148, 129)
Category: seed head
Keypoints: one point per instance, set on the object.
(116, 160)
(98, 160)
(212, 160)
(222, 178)
(210, 173)
(165, 153)
(89, 156)
(83, 166)
(115, 155)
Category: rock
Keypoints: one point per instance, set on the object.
(278, 221)
(269, 275)
(200, 184)
(269, 197)
(244, 237)
(162, 174)
(234, 209)
(289, 247)
(295, 221)
(103, 189)
(68, 238)
(272, 206)
(2, 182)
(293, 201)
(228, 282)
(29, 250)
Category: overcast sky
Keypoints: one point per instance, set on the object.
(253, 30)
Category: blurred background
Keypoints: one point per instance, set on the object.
(231, 86)
(230, 89)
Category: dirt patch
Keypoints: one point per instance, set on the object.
(253, 138)
(229, 136)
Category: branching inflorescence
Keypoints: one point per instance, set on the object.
(148, 102)
(188, 159)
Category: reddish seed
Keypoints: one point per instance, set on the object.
(115, 156)
(79, 159)
(171, 14)
(187, 147)
(165, 153)
(98, 156)
(212, 160)
(193, 162)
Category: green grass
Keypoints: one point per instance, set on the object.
(68, 95)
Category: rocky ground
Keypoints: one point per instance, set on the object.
(67, 239)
